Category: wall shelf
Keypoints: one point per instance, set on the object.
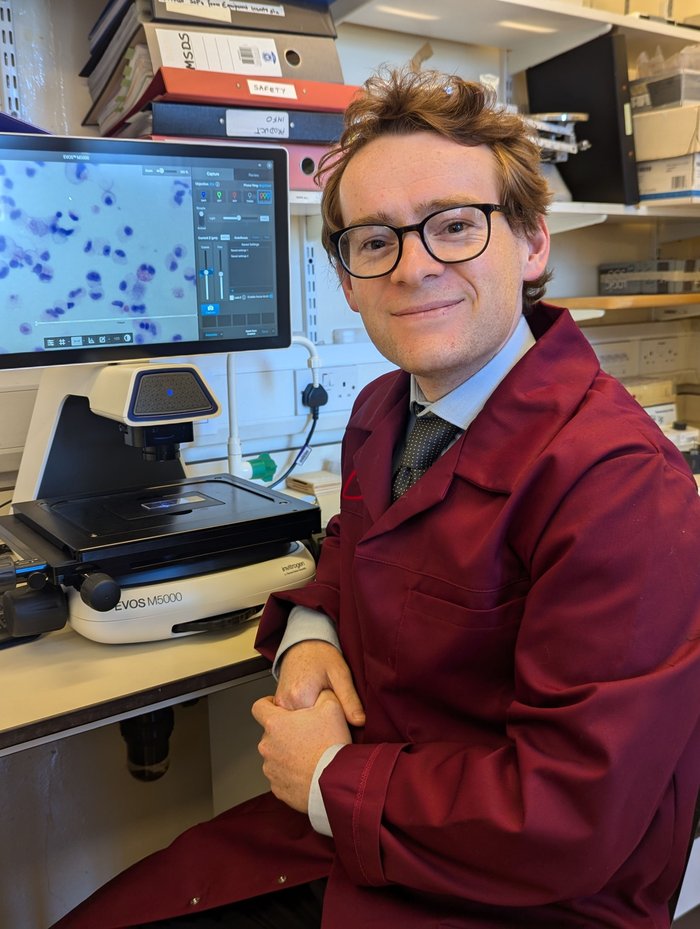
(628, 302)
(530, 30)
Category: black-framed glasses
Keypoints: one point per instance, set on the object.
(459, 233)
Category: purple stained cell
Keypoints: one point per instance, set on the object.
(60, 233)
(93, 276)
(178, 293)
(38, 226)
(77, 172)
(145, 272)
(25, 328)
(96, 295)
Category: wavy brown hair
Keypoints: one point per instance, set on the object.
(401, 101)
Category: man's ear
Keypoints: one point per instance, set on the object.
(348, 290)
(538, 252)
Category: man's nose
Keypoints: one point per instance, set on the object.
(416, 261)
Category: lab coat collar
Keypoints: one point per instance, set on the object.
(526, 410)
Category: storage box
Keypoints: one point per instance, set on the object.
(685, 439)
(663, 414)
(667, 133)
(676, 88)
(650, 391)
(670, 180)
(667, 276)
(657, 8)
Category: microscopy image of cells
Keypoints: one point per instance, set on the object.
(95, 248)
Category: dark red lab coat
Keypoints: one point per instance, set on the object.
(524, 630)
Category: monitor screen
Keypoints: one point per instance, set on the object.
(119, 249)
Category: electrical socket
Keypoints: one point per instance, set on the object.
(342, 384)
(660, 356)
(621, 359)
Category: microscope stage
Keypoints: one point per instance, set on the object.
(200, 514)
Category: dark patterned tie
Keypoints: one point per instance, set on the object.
(427, 440)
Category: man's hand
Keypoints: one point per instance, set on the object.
(294, 740)
(310, 667)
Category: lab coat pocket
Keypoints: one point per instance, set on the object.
(456, 653)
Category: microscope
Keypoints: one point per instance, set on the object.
(107, 531)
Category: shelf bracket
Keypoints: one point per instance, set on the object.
(8, 61)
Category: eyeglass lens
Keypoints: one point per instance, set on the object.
(451, 236)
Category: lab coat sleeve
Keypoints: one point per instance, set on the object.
(605, 705)
(321, 595)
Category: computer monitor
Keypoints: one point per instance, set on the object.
(115, 249)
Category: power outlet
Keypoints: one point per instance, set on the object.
(660, 356)
(342, 384)
(621, 359)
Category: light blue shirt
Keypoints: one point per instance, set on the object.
(460, 407)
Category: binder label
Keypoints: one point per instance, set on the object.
(259, 124)
(209, 51)
(212, 9)
(272, 89)
(221, 10)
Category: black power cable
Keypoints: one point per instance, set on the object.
(314, 397)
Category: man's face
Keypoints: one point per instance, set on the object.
(440, 322)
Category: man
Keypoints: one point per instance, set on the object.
(488, 705)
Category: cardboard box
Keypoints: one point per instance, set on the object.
(676, 88)
(689, 408)
(667, 133)
(649, 391)
(670, 180)
(657, 8)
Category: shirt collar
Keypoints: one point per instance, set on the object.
(462, 405)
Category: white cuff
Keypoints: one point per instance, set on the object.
(317, 808)
(304, 624)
